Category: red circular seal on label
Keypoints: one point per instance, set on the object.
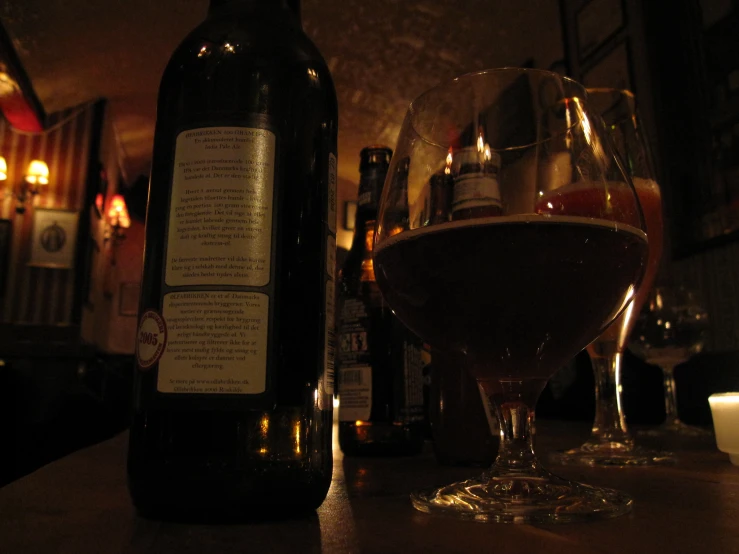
(150, 339)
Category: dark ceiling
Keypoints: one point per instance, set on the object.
(381, 53)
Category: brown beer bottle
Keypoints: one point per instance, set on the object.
(476, 187)
(380, 361)
(234, 378)
(463, 423)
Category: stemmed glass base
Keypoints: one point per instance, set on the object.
(673, 426)
(676, 428)
(610, 443)
(534, 496)
(612, 454)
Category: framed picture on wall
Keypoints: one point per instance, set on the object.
(613, 70)
(597, 21)
(53, 238)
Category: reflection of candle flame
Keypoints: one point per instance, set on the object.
(448, 169)
(297, 437)
(480, 143)
(488, 154)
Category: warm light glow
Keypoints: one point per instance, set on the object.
(359, 423)
(37, 173)
(487, 153)
(203, 51)
(724, 398)
(297, 437)
(118, 212)
(480, 143)
(8, 85)
(3, 169)
(448, 168)
(229, 48)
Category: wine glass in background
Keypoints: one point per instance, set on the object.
(523, 239)
(672, 327)
(610, 441)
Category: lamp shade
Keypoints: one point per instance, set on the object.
(118, 212)
(37, 173)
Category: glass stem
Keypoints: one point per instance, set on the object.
(609, 425)
(668, 377)
(514, 405)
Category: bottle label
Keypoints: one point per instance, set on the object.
(474, 190)
(220, 217)
(150, 339)
(329, 350)
(331, 211)
(219, 250)
(371, 340)
(356, 393)
(355, 377)
(365, 199)
(216, 343)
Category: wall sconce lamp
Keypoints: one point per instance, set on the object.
(37, 175)
(118, 220)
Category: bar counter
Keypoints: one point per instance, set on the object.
(80, 504)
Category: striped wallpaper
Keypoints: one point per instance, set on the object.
(35, 295)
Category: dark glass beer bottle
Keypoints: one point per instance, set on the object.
(234, 378)
(476, 187)
(380, 361)
(463, 423)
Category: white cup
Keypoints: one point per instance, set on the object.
(725, 411)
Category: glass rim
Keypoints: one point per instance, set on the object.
(413, 110)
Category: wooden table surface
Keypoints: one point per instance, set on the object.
(80, 504)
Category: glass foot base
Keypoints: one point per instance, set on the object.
(612, 454)
(676, 428)
(538, 498)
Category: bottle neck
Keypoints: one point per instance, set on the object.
(364, 238)
(221, 6)
(370, 188)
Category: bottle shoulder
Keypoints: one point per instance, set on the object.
(245, 38)
(243, 61)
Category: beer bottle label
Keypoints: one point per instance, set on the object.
(355, 374)
(218, 267)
